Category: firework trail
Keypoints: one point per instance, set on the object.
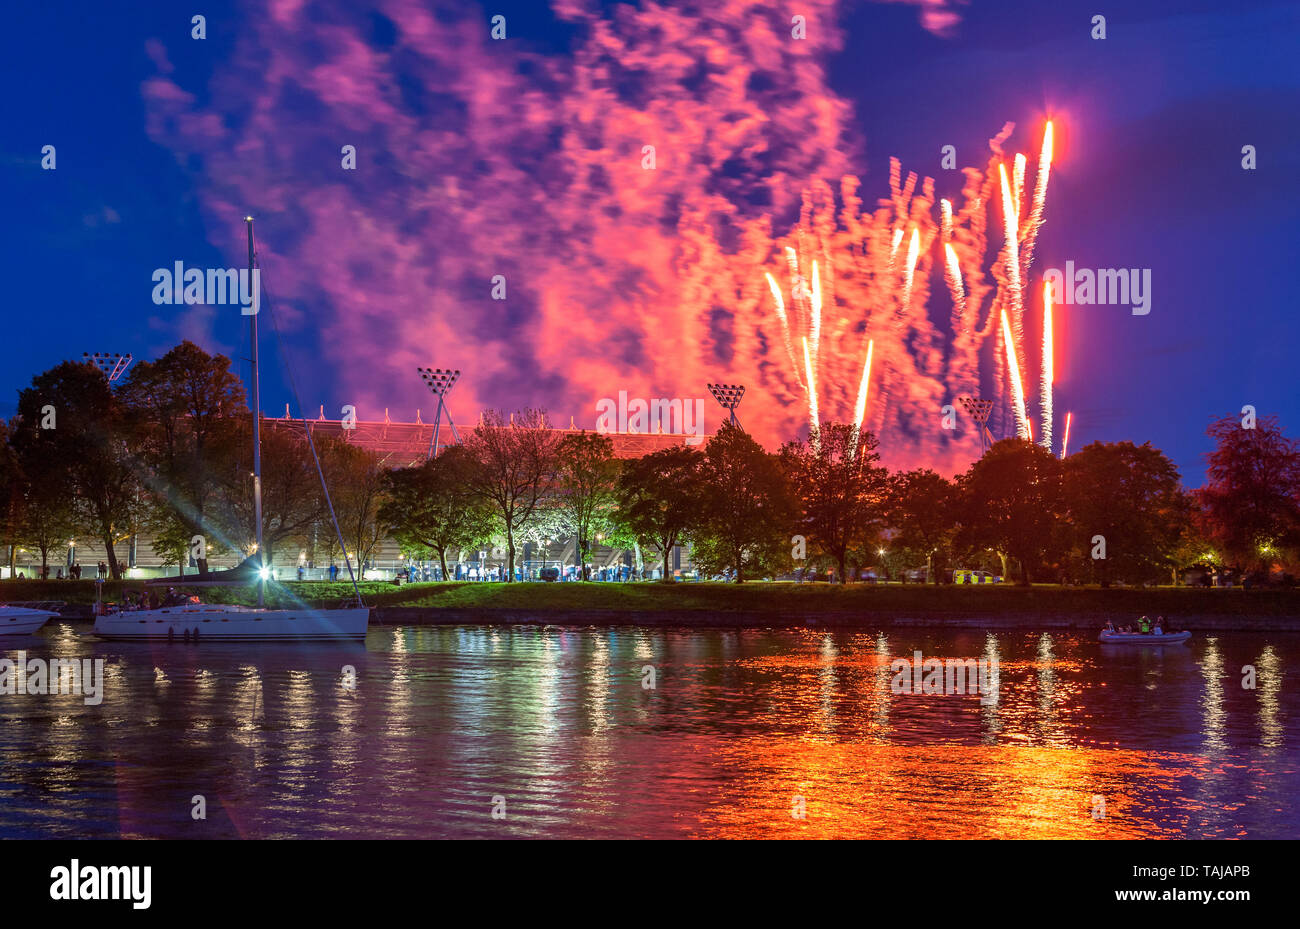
(779, 302)
(913, 249)
(952, 270)
(1029, 233)
(1020, 183)
(874, 324)
(814, 419)
(1017, 391)
(860, 410)
(1045, 390)
(1011, 223)
(1065, 445)
(816, 325)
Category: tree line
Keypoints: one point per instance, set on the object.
(167, 451)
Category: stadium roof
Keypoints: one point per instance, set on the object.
(401, 445)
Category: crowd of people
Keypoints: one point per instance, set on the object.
(1144, 626)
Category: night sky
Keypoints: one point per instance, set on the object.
(522, 157)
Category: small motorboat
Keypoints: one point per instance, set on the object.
(1111, 637)
(19, 619)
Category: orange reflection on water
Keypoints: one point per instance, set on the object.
(883, 791)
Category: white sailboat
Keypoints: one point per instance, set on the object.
(22, 620)
(200, 622)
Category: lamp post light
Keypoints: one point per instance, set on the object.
(440, 381)
(728, 397)
(113, 364)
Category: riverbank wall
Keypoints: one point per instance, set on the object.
(709, 619)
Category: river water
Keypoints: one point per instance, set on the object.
(553, 731)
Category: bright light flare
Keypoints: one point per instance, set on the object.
(1065, 446)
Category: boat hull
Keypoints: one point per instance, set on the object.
(210, 623)
(19, 621)
(1137, 638)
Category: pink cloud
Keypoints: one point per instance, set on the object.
(479, 158)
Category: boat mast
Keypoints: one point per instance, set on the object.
(257, 425)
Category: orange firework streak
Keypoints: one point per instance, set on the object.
(1066, 444)
(1045, 390)
(874, 265)
(1017, 391)
(860, 411)
(813, 415)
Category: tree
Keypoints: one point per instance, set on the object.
(515, 469)
(585, 490)
(839, 487)
(292, 501)
(1251, 497)
(747, 512)
(1011, 502)
(356, 481)
(659, 499)
(431, 507)
(1129, 495)
(181, 409)
(922, 512)
(47, 521)
(11, 496)
(72, 440)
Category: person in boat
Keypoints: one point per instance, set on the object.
(1110, 626)
(1144, 625)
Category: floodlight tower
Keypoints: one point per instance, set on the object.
(113, 364)
(728, 397)
(440, 382)
(979, 411)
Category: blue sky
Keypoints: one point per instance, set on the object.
(1148, 175)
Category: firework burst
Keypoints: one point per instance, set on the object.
(873, 327)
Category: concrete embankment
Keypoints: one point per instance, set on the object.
(707, 619)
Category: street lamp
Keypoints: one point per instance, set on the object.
(440, 381)
(728, 397)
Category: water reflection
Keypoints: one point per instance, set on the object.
(431, 724)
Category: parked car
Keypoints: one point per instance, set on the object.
(975, 577)
(549, 574)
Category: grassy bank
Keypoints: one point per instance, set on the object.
(775, 598)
